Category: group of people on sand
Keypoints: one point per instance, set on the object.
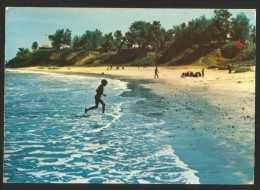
(192, 74)
(117, 68)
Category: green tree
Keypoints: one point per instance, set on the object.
(168, 37)
(91, 40)
(222, 23)
(240, 28)
(141, 33)
(76, 42)
(66, 38)
(129, 39)
(97, 39)
(22, 52)
(253, 35)
(61, 38)
(192, 26)
(178, 30)
(85, 39)
(34, 45)
(165, 38)
(201, 32)
(119, 39)
(108, 42)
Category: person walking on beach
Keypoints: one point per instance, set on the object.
(202, 72)
(156, 72)
(98, 99)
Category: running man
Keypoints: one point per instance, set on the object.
(98, 99)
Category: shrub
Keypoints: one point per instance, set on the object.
(124, 56)
(187, 52)
(212, 67)
(247, 54)
(222, 68)
(229, 50)
(195, 46)
(241, 69)
(219, 67)
(145, 61)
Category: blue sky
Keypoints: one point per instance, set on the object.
(24, 25)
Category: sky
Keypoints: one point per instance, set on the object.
(25, 25)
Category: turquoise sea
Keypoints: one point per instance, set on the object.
(141, 138)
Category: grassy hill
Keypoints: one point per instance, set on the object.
(208, 56)
(50, 58)
(242, 62)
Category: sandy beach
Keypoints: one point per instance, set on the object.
(219, 82)
(235, 91)
(232, 95)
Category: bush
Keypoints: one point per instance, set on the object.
(145, 61)
(247, 54)
(248, 63)
(187, 52)
(229, 50)
(124, 56)
(195, 46)
(212, 67)
(241, 69)
(219, 67)
(222, 68)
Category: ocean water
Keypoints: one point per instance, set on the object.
(49, 139)
(141, 138)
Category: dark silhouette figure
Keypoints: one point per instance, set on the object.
(98, 99)
(230, 67)
(192, 74)
(197, 74)
(156, 72)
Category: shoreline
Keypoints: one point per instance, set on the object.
(170, 75)
(233, 93)
(217, 82)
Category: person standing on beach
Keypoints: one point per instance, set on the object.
(156, 72)
(230, 67)
(202, 72)
(98, 99)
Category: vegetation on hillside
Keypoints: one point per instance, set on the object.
(201, 41)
